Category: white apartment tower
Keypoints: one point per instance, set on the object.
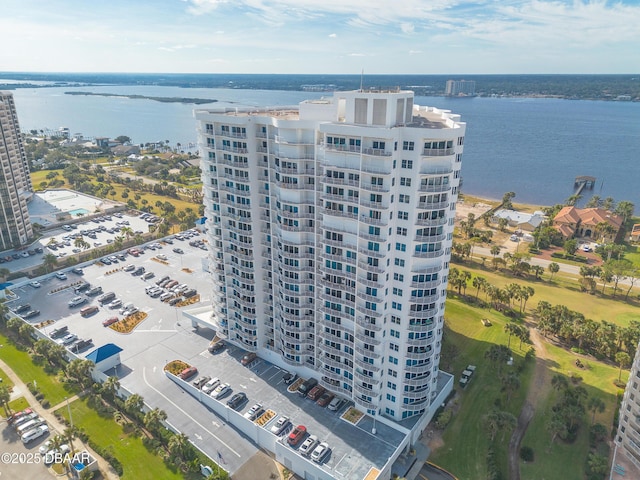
(456, 88)
(330, 230)
(15, 181)
(628, 437)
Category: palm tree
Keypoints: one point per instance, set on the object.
(178, 446)
(479, 283)
(510, 383)
(553, 269)
(80, 242)
(556, 426)
(5, 397)
(134, 403)
(70, 433)
(595, 405)
(623, 360)
(154, 418)
(111, 386)
(512, 329)
(49, 261)
(559, 382)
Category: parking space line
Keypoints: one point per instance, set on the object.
(274, 375)
(144, 376)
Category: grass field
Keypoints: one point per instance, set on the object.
(18, 404)
(4, 379)
(20, 362)
(465, 441)
(137, 461)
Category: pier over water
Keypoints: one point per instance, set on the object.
(583, 182)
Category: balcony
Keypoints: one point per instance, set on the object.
(362, 322)
(342, 148)
(437, 152)
(433, 206)
(436, 254)
(428, 222)
(382, 222)
(374, 188)
(376, 152)
(340, 181)
(365, 378)
(445, 187)
(226, 133)
(338, 213)
(371, 253)
(420, 327)
(367, 339)
(229, 148)
(370, 268)
(380, 170)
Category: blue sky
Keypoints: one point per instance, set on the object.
(320, 36)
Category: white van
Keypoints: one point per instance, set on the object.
(125, 307)
(31, 424)
(35, 433)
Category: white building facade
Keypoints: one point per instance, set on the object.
(15, 181)
(628, 436)
(330, 229)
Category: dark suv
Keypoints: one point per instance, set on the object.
(237, 400)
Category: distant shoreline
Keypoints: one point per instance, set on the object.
(186, 100)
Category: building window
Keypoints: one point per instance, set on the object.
(407, 164)
(403, 215)
(396, 306)
(407, 146)
(401, 231)
(397, 291)
(399, 262)
(403, 198)
(401, 247)
(405, 182)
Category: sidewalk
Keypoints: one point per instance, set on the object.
(21, 390)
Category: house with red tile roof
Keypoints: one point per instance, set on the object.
(583, 223)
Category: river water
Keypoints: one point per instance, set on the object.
(532, 146)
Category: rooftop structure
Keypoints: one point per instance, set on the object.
(585, 223)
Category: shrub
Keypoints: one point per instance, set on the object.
(526, 454)
(444, 418)
(597, 434)
(45, 403)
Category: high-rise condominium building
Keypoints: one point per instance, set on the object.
(460, 88)
(15, 181)
(330, 229)
(628, 437)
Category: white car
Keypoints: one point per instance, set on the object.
(308, 445)
(75, 301)
(211, 385)
(129, 267)
(280, 425)
(254, 412)
(161, 256)
(61, 275)
(35, 433)
(586, 247)
(221, 390)
(45, 447)
(68, 339)
(115, 304)
(35, 284)
(320, 452)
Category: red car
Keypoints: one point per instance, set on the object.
(296, 435)
(110, 321)
(188, 373)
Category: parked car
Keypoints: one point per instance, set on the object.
(78, 271)
(316, 392)
(306, 386)
(68, 339)
(211, 385)
(22, 308)
(336, 404)
(58, 332)
(161, 256)
(106, 298)
(282, 423)
(138, 271)
(80, 345)
(190, 293)
(289, 378)
(188, 373)
(254, 412)
(82, 287)
(308, 445)
(31, 314)
(34, 434)
(95, 291)
(178, 250)
(175, 300)
(237, 400)
(110, 321)
(296, 435)
(166, 296)
(325, 399)
(115, 304)
(75, 301)
(248, 358)
(129, 268)
(221, 390)
(35, 284)
(61, 275)
(320, 452)
(201, 381)
(217, 346)
(148, 275)
(163, 279)
(89, 310)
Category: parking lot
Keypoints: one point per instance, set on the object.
(166, 335)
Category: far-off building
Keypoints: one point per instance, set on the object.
(460, 88)
(15, 182)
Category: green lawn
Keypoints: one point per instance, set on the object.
(4, 379)
(137, 461)
(466, 444)
(564, 291)
(561, 460)
(18, 404)
(465, 441)
(20, 362)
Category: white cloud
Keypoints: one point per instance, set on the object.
(415, 52)
(407, 27)
(333, 35)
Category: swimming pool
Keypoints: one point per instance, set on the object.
(78, 211)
